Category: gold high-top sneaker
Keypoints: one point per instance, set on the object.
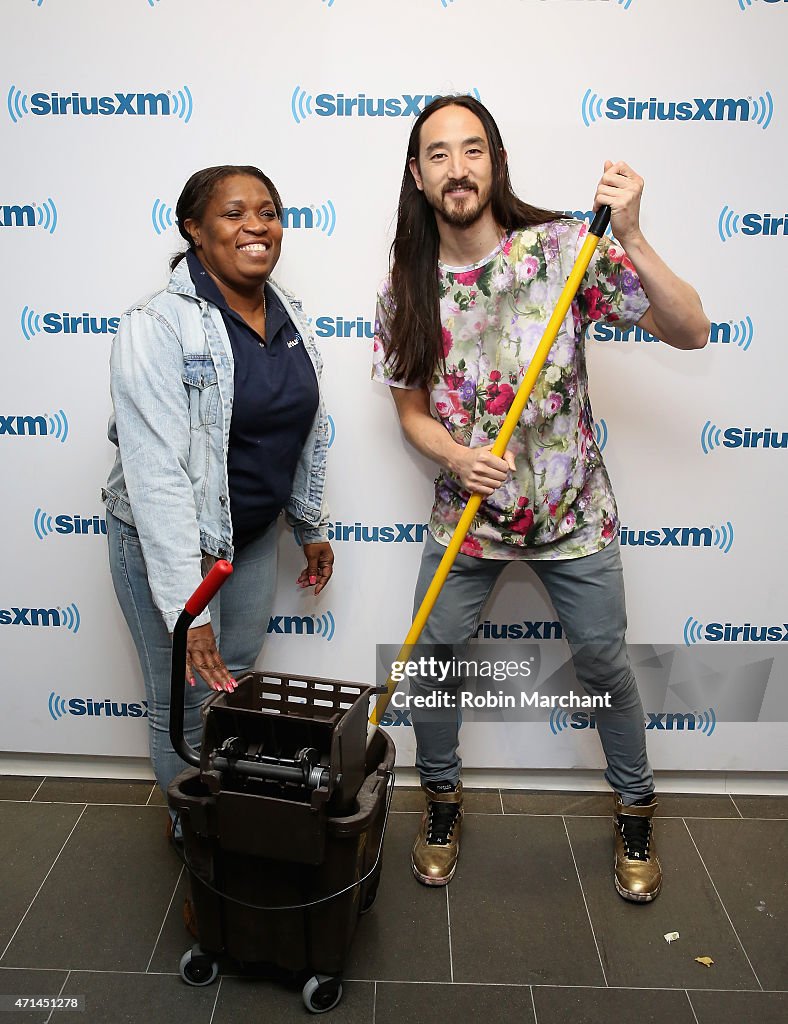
(638, 874)
(437, 846)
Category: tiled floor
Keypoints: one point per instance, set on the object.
(530, 930)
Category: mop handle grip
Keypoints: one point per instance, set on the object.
(204, 594)
(599, 224)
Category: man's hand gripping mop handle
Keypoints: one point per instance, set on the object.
(199, 600)
(597, 229)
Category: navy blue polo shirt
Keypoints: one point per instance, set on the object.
(274, 405)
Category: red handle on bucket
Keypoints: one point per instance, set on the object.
(204, 594)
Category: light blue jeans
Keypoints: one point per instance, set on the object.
(239, 616)
(588, 596)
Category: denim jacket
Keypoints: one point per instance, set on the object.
(171, 379)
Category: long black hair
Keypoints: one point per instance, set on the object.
(416, 348)
(197, 194)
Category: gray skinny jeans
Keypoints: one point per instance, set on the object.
(588, 596)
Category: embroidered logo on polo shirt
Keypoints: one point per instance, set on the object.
(294, 341)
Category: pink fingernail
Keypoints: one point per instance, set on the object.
(191, 681)
(313, 580)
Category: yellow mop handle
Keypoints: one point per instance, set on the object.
(597, 229)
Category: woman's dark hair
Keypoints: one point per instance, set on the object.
(197, 193)
(416, 348)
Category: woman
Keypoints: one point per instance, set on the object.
(220, 426)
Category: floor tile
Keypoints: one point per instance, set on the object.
(93, 791)
(103, 903)
(30, 983)
(631, 935)
(604, 1005)
(740, 1007)
(116, 998)
(516, 909)
(475, 801)
(526, 801)
(242, 999)
(458, 1004)
(762, 806)
(405, 936)
(747, 860)
(30, 839)
(690, 805)
(19, 787)
(157, 798)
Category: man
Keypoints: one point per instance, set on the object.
(475, 276)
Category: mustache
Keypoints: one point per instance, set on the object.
(459, 183)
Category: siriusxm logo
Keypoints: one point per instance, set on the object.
(600, 434)
(343, 327)
(137, 104)
(29, 215)
(328, 104)
(31, 426)
(745, 5)
(751, 224)
(34, 323)
(587, 216)
(713, 632)
(759, 110)
(679, 537)
(303, 625)
(701, 722)
(58, 618)
(712, 436)
(396, 533)
(319, 218)
(730, 332)
(91, 707)
(523, 630)
(45, 525)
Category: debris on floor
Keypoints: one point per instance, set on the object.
(671, 937)
(705, 960)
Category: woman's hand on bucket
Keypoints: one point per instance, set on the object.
(319, 566)
(202, 655)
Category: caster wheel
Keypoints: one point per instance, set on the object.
(322, 993)
(198, 969)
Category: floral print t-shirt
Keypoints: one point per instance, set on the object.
(558, 503)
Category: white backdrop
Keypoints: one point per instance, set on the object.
(87, 209)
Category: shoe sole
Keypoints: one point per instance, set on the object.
(428, 880)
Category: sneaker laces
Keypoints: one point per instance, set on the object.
(441, 818)
(636, 833)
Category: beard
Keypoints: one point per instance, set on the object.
(464, 212)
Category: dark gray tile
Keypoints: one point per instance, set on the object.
(406, 934)
(516, 909)
(139, 999)
(157, 798)
(475, 801)
(603, 1005)
(103, 903)
(531, 801)
(740, 1007)
(631, 935)
(693, 805)
(747, 860)
(174, 939)
(19, 787)
(26, 984)
(415, 1004)
(762, 806)
(30, 839)
(244, 999)
(93, 791)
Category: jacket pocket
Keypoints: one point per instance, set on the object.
(202, 388)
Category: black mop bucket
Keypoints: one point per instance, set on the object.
(283, 817)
